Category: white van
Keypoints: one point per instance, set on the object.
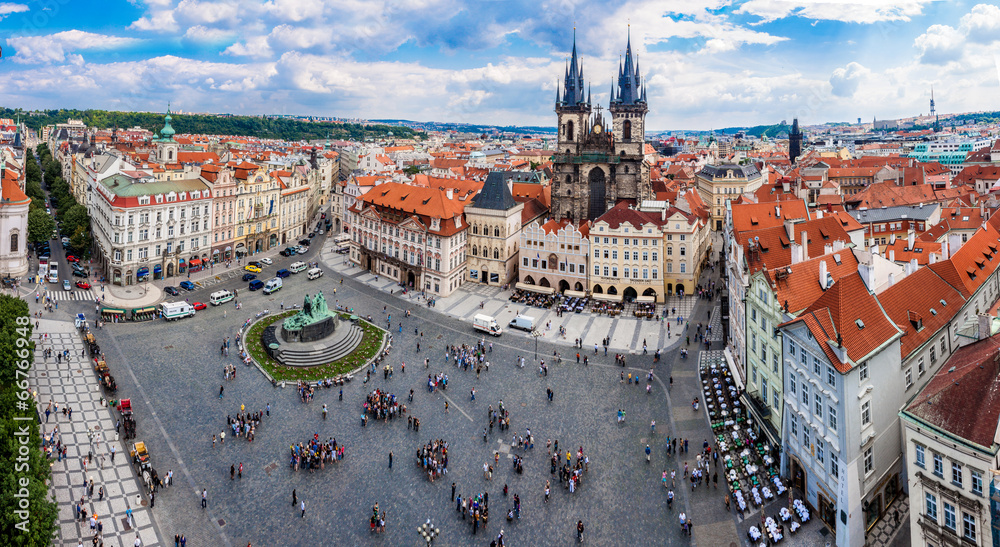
(53, 273)
(272, 285)
(487, 324)
(297, 267)
(523, 322)
(220, 297)
(176, 310)
(314, 273)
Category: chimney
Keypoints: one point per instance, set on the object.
(892, 279)
(913, 264)
(838, 245)
(892, 255)
(944, 249)
(449, 193)
(983, 322)
(827, 249)
(790, 230)
(805, 246)
(954, 242)
(933, 258)
(777, 211)
(868, 275)
(796, 253)
(663, 214)
(819, 213)
(892, 239)
(822, 274)
(911, 236)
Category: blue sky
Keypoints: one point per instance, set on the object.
(707, 63)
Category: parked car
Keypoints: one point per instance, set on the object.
(187, 285)
(172, 291)
(266, 261)
(82, 285)
(304, 242)
(79, 273)
(71, 258)
(287, 252)
(66, 285)
(254, 263)
(302, 249)
(65, 240)
(312, 235)
(283, 273)
(249, 277)
(252, 268)
(198, 306)
(256, 285)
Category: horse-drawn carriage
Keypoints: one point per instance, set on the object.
(143, 466)
(128, 422)
(108, 382)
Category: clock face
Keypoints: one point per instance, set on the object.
(598, 128)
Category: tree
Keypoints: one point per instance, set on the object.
(411, 170)
(40, 225)
(74, 217)
(24, 475)
(81, 242)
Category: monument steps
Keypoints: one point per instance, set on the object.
(321, 356)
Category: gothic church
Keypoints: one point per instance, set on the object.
(595, 165)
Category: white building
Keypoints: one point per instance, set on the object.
(142, 226)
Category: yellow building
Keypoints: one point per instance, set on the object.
(257, 208)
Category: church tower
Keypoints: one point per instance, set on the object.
(794, 142)
(573, 108)
(595, 166)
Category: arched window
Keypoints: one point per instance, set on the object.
(496, 231)
(627, 130)
(13, 242)
(475, 230)
(496, 253)
(569, 130)
(474, 251)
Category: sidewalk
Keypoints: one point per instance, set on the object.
(74, 383)
(626, 333)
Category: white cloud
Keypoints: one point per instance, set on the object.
(199, 33)
(856, 11)
(54, 48)
(845, 80)
(982, 23)
(157, 20)
(254, 47)
(940, 44)
(7, 8)
(294, 10)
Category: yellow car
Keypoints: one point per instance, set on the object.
(252, 268)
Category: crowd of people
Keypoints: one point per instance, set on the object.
(384, 406)
(433, 458)
(306, 391)
(315, 454)
(245, 424)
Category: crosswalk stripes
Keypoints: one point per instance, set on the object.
(75, 294)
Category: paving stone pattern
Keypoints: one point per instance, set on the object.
(74, 384)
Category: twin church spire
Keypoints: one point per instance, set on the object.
(629, 91)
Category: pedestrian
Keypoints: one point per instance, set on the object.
(204, 498)
(547, 486)
(390, 459)
(452, 490)
(239, 472)
(268, 409)
(232, 472)
(221, 389)
(302, 505)
(295, 498)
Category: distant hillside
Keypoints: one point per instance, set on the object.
(472, 128)
(220, 124)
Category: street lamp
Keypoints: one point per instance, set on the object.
(428, 532)
(535, 334)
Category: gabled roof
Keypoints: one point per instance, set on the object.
(972, 264)
(920, 304)
(963, 397)
(799, 285)
(775, 245)
(622, 213)
(495, 194)
(754, 216)
(849, 312)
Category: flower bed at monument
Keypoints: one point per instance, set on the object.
(371, 343)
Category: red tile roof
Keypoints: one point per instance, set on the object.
(775, 245)
(622, 213)
(963, 398)
(799, 287)
(972, 263)
(754, 216)
(909, 303)
(848, 310)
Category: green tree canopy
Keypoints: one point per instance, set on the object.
(40, 225)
